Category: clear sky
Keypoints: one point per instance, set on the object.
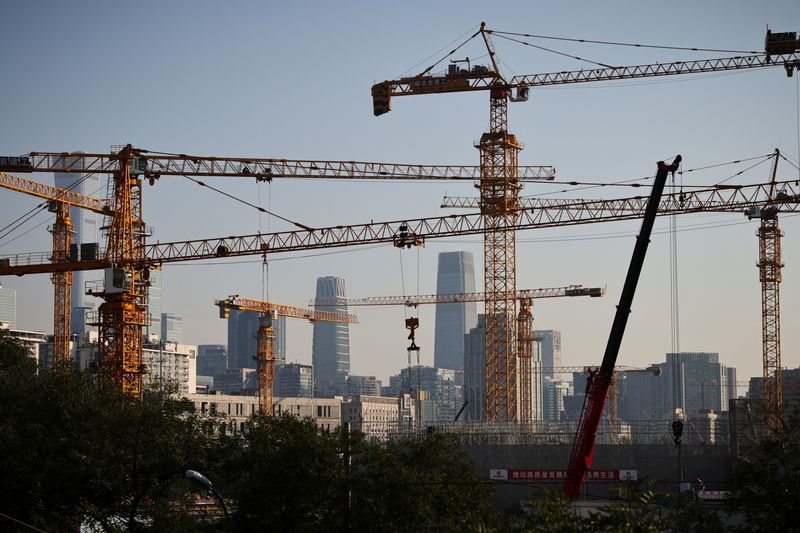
(292, 80)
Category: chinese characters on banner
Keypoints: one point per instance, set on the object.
(560, 475)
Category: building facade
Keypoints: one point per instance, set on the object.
(698, 382)
(171, 328)
(293, 380)
(455, 275)
(155, 285)
(243, 338)
(330, 351)
(171, 363)
(550, 351)
(8, 308)
(375, 416)
(363, 386)
(211, 359)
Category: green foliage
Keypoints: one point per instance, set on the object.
(766, 483)
(635, 509)
(418, 486)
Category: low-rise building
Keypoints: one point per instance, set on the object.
(375, 416)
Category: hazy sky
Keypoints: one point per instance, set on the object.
(292, 80)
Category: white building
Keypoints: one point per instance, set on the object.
(375, 416)
(171, 363)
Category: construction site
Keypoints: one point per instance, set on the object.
(674, 364)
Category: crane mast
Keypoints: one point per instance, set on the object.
(499, 185)
(59, 203)
(265, 342)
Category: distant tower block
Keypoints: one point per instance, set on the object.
(330, 352)
(455, 275)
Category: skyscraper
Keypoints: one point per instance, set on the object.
(211, 358)
(243, 337)
(86, 226)
(153, 331)
(8, 307)
(455, 275)
(330, 351)
(171, 328)
(698, 382)
(551, 351)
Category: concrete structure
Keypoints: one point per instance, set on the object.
(211, 359)
(330, 351)
(8, 308)
(364, 386)
(455, 275)
(171, 328)
(171, 363)
(327, 412)
(375, 416)
(86, 225)
(293, 380)
(37, 343)
(243, 336)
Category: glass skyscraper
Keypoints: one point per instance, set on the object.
(455, 275)
(87, 230)
(330, 351)
(243, 337)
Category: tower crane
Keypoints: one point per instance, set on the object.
(499, 183)
(525, 334)
(59, 202)
(769, 265)
(265, 346)
(715, 198)
(123, 313)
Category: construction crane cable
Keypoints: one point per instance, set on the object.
(36, 210)
(613, 43)
(557, 52)
(437, 52)
(245, 202)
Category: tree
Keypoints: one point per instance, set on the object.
(418, 485)
(766, 483)
(285, 474)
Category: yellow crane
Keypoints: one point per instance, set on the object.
(499, 183)
(59, 202)
(714, 198)
(265, 351)
(123, 313)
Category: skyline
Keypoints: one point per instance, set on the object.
(281, 82)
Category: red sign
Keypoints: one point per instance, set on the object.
(560, 475)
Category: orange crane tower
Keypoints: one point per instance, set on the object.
(525, 337)
(715, 198)
(499, 185)
(769, 265)
(123, 313)
(265, 352)
(59, 202)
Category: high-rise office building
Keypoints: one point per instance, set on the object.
(211, 359)
(698, 382)
(8, 307)
(293, 380)
(153, 331)
(330, 351)
(551, 352)
(455, 275)
(474, 370)
(243, 338)
(363, 386)
(443, 386)
(87, 231)
(171, 328)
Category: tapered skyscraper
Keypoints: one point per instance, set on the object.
(330, 352)
(455, 275)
